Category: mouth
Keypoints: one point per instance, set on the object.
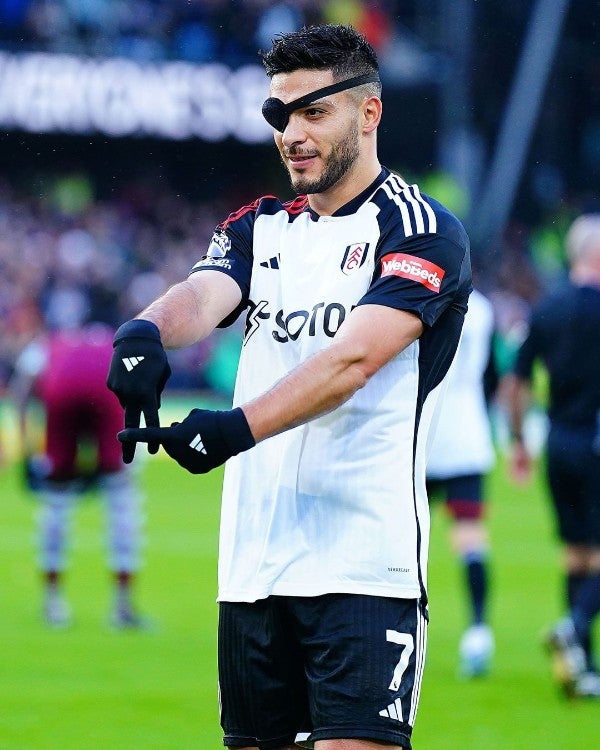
(300, 161)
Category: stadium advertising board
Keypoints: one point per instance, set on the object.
(47, 93)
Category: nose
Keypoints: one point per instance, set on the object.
(293, 132)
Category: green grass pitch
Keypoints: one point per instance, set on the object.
(90, 687)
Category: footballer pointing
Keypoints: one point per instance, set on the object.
(354, 294)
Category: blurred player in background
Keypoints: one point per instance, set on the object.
(460, 456)
(564, 334)
(65, 371)
(357, 291)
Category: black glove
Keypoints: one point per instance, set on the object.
(205, 439)
(138, 372)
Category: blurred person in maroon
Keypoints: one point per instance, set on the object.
(65, 370)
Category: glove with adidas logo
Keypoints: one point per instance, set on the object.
(205, 439)
(138, 372)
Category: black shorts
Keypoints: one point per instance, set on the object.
(301, 669)
(573, 468)
(462, 494)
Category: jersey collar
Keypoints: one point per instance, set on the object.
(353, 205)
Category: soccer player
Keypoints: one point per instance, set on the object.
(564, 334)
(355, 294)
(65, 370)
(461, 454)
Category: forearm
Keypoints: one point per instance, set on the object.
(518, 401)
(319, 385)
(24, 442)
(329, 378)
(177, 316)
(20, 393)
(518, 392)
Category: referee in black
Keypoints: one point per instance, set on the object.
(564, 334)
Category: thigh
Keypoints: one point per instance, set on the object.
(61, 438)
(364, 658)
(591, 500)
(107, 423)
(353, 745)
(465, 497)
(565, 470)
(262, 684)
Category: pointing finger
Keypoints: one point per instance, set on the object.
(143, 434)
(152, 420)
(132, 419)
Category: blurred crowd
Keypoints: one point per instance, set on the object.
(195, 31)
(66, 257)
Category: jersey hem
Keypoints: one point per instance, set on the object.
(394, 592)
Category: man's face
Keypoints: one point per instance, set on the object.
(320, 142)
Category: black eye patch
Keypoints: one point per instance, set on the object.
(277, 114)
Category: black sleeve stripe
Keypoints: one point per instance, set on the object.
(417, 215)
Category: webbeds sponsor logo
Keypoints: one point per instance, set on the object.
(411, 267)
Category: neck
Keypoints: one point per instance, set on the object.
(357, 179)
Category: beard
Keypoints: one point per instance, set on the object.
(343, 155)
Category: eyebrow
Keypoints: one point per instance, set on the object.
(277, 113)
(316, 102)
(334, 88)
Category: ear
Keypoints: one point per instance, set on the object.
(371, 114)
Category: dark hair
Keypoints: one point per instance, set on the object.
(338, 48)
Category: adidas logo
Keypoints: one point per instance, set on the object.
(393, 711)
(271, 263)
(131, 362)
(198, 445)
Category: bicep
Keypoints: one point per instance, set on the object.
(375, 334)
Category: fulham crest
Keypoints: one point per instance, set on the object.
(354, 257)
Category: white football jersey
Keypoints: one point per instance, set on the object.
(461, 439)
(338, 504)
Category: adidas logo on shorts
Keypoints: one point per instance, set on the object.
(393, 711)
